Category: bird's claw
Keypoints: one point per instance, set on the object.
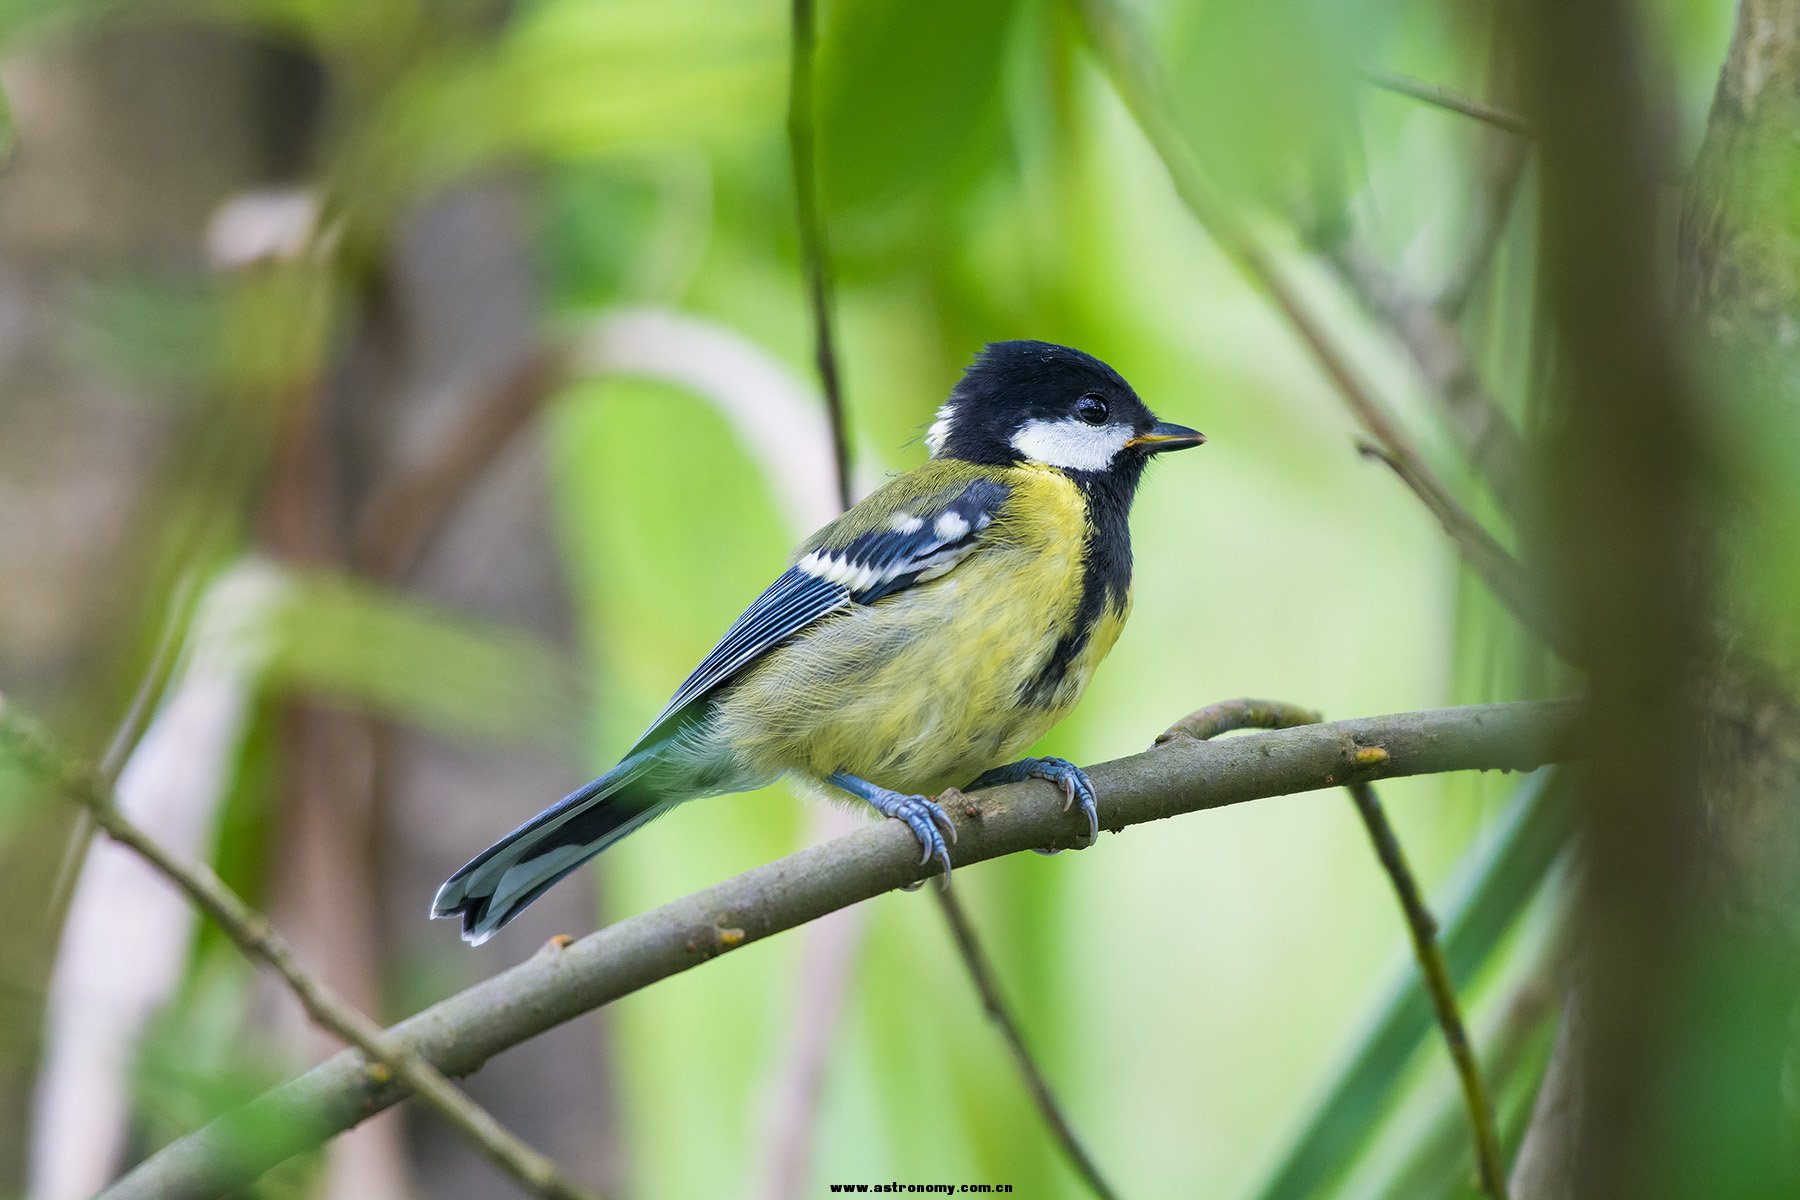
(928, 822)
(924, 816)
(1072, 780)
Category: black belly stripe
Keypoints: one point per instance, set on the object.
(1105, 579)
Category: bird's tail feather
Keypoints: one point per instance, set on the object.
(497, 884)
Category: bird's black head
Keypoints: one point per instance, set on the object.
(1042, 403)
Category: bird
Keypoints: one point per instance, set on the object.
(919, 642)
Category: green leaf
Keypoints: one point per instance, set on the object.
(1494, 885)
(1437, 1158)
(400, 658)
(894, 78)
(1264, 88)
(571, 82)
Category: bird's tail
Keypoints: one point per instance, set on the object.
(496, 885)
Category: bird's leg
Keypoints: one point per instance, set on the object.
(1076, 790)
(928, 822)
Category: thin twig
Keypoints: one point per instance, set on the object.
(384, 1058)
(1523, 1021)
(1502, 172)
(1480, 550)
(1423, 928)
(1233, 715)
(815, 252)
(982, 972)
(816, 1015)
(409, 508)
(1448, 99)
(1119, 46)
(457, 1035)
(1486, 435)
(126, 736)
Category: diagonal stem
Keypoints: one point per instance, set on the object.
(815, 253)
(1448, 99)
(1423, 928)
(257, 939)
(1489, 440)
(1119, 46)
(815, 259)
(982, 972)
(1365, 755)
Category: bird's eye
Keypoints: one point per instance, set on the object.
(1092, 409)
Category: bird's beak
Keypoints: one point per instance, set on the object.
(1166, 435)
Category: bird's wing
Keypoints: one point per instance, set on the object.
(877, 549)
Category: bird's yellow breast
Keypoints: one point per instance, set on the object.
(933, 685)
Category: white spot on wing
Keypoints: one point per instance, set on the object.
(905, 523)
(951, 526)
(855, 576)
(1071, 444)
(830, 568)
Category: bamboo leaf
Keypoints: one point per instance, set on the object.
(1494, 885)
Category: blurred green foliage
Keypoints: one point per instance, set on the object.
(369, 650)
(1189, 986)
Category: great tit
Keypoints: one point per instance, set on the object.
(933, 631)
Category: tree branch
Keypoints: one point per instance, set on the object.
(816, 262)
(383, 1058)
(459, 1034)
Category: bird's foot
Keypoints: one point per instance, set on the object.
(1077, 791)
(923, 815)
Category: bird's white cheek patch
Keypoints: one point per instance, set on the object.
(1071, 444)
(940, 430)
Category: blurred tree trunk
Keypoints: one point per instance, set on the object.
(1736, 872)
(1739, 283)
(128, 141)
(373, 817)
(453, 317)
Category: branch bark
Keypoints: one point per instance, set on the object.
(459, 1034)
(1693, 826)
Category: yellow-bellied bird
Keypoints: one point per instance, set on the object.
(929, 634)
